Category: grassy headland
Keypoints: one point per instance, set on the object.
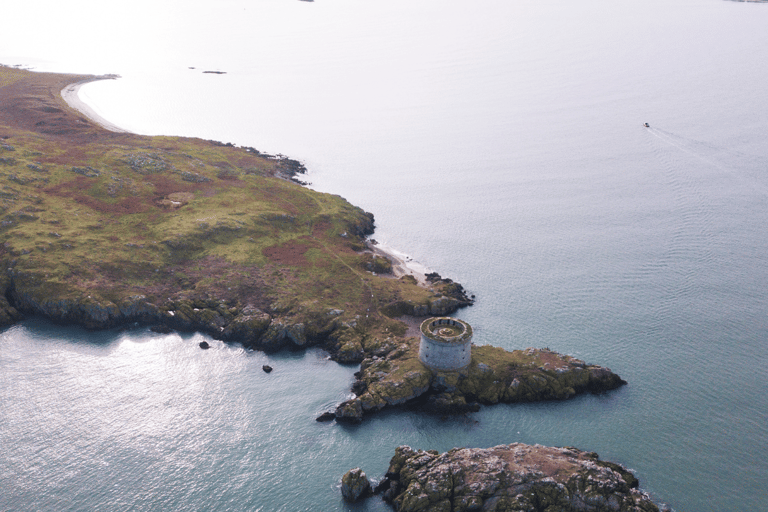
(103, 228)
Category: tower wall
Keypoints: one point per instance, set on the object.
(446, 344)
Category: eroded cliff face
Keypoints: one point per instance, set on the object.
(510, 478)
(346, 334)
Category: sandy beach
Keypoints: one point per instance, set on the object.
(402, 265)
(71, 95)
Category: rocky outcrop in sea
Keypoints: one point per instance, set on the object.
(510, 478)
(392, 375)
(355, 485)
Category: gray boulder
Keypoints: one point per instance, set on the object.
(355, 485)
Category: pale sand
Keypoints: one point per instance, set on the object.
(71, 96)
(402, 265)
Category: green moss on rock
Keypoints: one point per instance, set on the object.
(395, 377)
(510, 478)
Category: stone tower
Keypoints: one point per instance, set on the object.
(446, 343)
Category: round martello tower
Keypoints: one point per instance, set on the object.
(446, 343)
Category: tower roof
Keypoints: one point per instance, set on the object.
(446, 330)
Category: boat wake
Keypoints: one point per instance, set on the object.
(748, 169)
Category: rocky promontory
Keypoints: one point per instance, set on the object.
(392, 375)
(510, 478)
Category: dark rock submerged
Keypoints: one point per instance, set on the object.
(507, 478)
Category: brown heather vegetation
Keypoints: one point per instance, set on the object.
(100, 229)
(90, 213)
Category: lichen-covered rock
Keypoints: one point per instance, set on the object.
(509, 478)
(394, 376)
(442, 306)
(496, 375)
(350, 352)
(210, 315)
(437, 306)
(89, 311)
(355, 485)
(379, 347)
(248, 326)
(137, 307)
(350, 411)
(8, 314)
(280, 333)
(395, 379)
(347, 345)
(296, 333)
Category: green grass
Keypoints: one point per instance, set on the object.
(88, 212)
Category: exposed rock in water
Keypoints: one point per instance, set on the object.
(495, 375)
(507, 478)
(204, 345)
(350, 411)
(266, 368)
(355, 485)
(450, 288)
(326, 416)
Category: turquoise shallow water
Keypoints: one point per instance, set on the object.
(500, 144)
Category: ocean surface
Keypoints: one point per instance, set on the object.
(500, 143)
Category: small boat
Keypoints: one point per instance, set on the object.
(647, 125)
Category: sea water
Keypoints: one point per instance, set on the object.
(499, 143)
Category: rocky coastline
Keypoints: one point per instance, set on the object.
(224, 319)
(505, 478)
(391, 375)
(104, 229)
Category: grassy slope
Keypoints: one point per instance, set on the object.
(100, 228)
(87, 212)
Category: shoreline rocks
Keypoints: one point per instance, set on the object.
(507, 478)
(495, 375)
(390, 375)
(224, 319)
(355, 485)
